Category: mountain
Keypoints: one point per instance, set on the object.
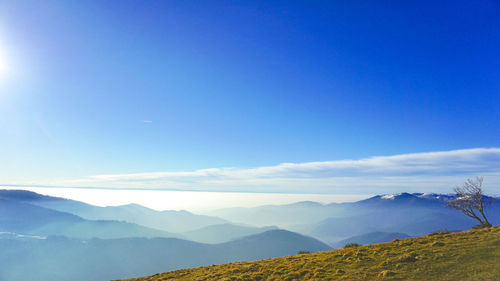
(469, 255)
(424, 200)
(371, 238)
(290, 216)
(171, 221)
(23, 217)
(270, 243)
(413, 221)
(19, 217)
(60, 259)
(411, 213)
(223, 232)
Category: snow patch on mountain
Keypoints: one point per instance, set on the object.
(4, 235)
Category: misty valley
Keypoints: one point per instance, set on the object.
(51, 238)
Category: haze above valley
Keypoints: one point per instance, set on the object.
(194, 201)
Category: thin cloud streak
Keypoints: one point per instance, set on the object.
(431, 171)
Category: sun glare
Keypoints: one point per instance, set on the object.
(3, 66)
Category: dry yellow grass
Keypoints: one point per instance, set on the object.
(469, 255)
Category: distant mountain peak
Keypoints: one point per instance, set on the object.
(406, 195)
(406, 199)
(389, 196)
(401, 195)
(133, 206)
(306, 203)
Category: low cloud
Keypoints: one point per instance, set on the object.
(431, 171)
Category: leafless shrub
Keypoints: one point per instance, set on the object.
(470, 201)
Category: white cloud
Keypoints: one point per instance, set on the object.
(432, 171)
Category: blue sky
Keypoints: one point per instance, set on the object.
(93, 88)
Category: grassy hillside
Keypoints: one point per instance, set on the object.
(371, 238)
(468, 255)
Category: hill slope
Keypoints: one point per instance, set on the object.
(468, 255)
(371, 238)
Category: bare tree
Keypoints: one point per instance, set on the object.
(470, 201)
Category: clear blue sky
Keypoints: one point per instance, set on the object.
(105, 87)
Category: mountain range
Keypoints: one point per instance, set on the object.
(24, 218)
(38, 233)
(414, 214)
(171, 221)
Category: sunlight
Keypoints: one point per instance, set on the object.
(3, 66)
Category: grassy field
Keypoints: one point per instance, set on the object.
(469, 255)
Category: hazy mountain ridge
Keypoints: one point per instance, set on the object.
(411, 213)
(412, 221)
(34, 259)
(19, 217)
(220, 233)
(48, 210)
(170, 221)
(307, 217)
(28, 225)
